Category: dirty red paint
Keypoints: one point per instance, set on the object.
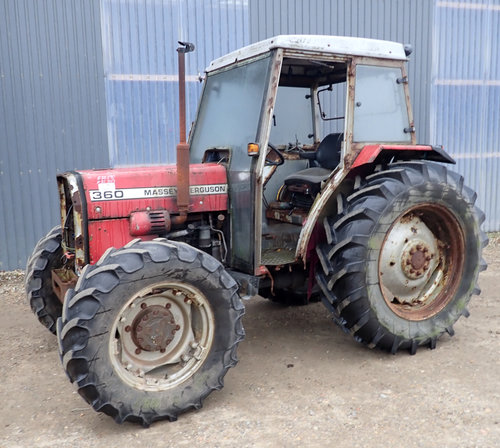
(370, 152)
(153, 187)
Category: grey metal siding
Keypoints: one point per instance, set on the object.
(65, 91)
(466, 95)
(140, 63)
(52, 113)
(406, 21)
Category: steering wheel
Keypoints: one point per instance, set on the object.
(273, 156)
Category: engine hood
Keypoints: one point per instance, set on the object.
(115, 193)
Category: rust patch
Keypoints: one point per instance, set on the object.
(62, 280)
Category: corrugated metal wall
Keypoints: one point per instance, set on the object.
(65, 92)
(140, 63)
(52, 113)
(406, 21)
(466, 95)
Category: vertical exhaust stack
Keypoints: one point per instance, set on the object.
(183, 146)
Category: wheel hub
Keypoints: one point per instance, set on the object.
(420, 261)
(415, 259)
(153, 328)
(408, 259)
(162, 335)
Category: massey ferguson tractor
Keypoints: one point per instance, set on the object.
(301, 178)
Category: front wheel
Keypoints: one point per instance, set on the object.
(404, 257)
(47, 255)
(150, 330)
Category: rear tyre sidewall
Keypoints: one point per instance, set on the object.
(438, 323)
(350, 277)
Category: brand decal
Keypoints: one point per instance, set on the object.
(152, 192)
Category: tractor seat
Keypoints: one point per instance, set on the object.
(310, 176)
(324, 160)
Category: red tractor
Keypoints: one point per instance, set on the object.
(301, 178)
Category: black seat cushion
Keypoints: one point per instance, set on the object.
(310, 176)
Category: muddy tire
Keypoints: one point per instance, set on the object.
(46, 256)
(150, 330)
(403, 256)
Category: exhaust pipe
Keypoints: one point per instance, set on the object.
(183, 146)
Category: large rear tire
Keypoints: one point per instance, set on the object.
(150, 330)
(47, 255)
(403, 256)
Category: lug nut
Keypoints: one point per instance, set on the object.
(425, 250)
(419, 247)
(143, 305)
(127, 328)
(168, 305)
(137, 351)
(162, 350)
(177, 327)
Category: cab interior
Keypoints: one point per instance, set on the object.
(305, 147)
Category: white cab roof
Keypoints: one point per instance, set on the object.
(339, 45)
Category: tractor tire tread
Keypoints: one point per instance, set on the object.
(344, 255)
(85, 304)
(37, 283)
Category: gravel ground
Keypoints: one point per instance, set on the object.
(300, 382)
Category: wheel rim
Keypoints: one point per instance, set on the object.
(161, 336)
(421, 261)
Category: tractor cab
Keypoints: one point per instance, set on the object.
(288, 116)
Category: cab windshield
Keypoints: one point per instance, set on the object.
(229, 112)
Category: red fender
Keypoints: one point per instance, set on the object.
(373, 153)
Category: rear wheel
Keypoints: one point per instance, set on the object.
(403, 256)
(47, 255)
(150, 330)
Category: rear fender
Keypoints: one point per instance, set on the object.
(324, 205)
(384, 153)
